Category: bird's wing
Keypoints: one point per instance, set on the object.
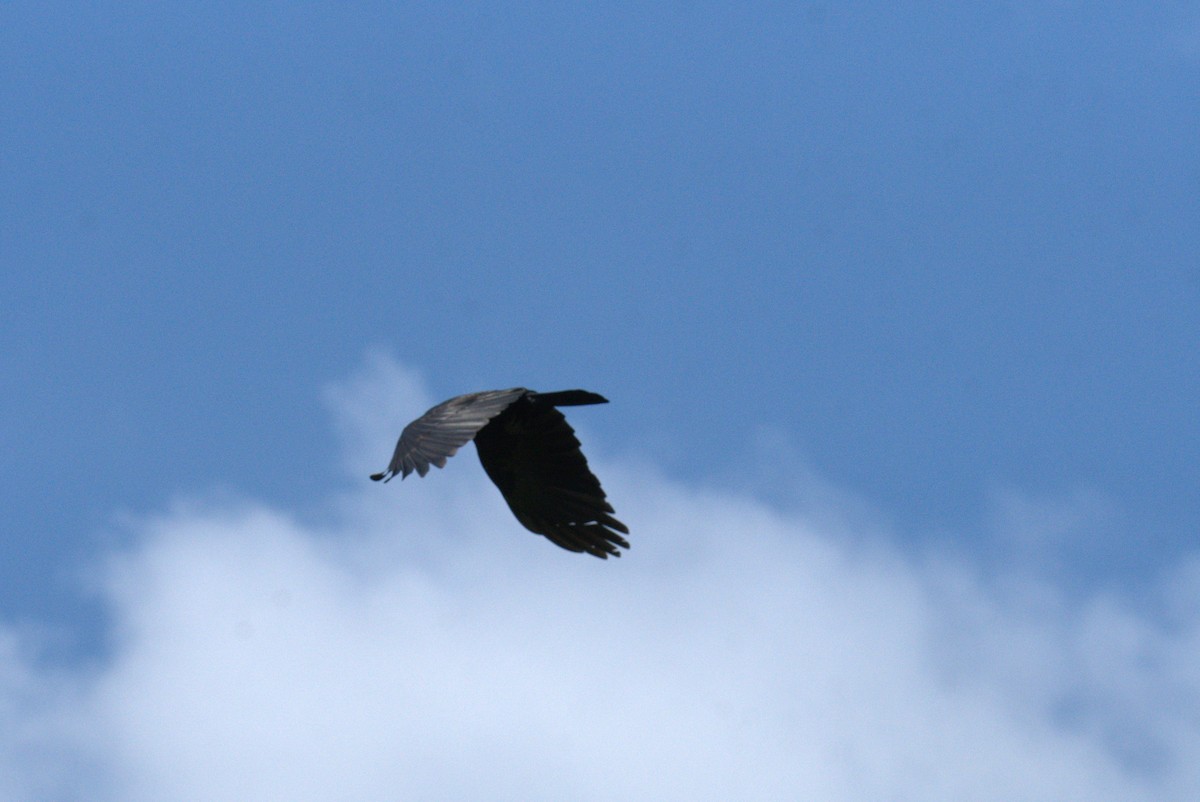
(533, 456)
(438, 434)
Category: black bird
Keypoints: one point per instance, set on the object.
(530, 453)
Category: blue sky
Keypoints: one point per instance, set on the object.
(919, 282)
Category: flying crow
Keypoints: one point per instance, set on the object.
(530, 453)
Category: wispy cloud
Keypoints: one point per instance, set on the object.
(423, 645)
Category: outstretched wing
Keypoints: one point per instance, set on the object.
(438, 434)
(533, 456)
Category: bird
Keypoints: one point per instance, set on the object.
(530, 453)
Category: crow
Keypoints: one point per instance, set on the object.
(530, 452)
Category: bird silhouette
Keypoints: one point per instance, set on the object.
(531, 454)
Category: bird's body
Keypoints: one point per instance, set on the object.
(531, 454)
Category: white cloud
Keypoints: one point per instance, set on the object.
(425, 646)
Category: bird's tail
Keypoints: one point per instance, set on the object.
(569, 398)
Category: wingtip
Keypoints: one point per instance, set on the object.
(570, 398)
(375, 477)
